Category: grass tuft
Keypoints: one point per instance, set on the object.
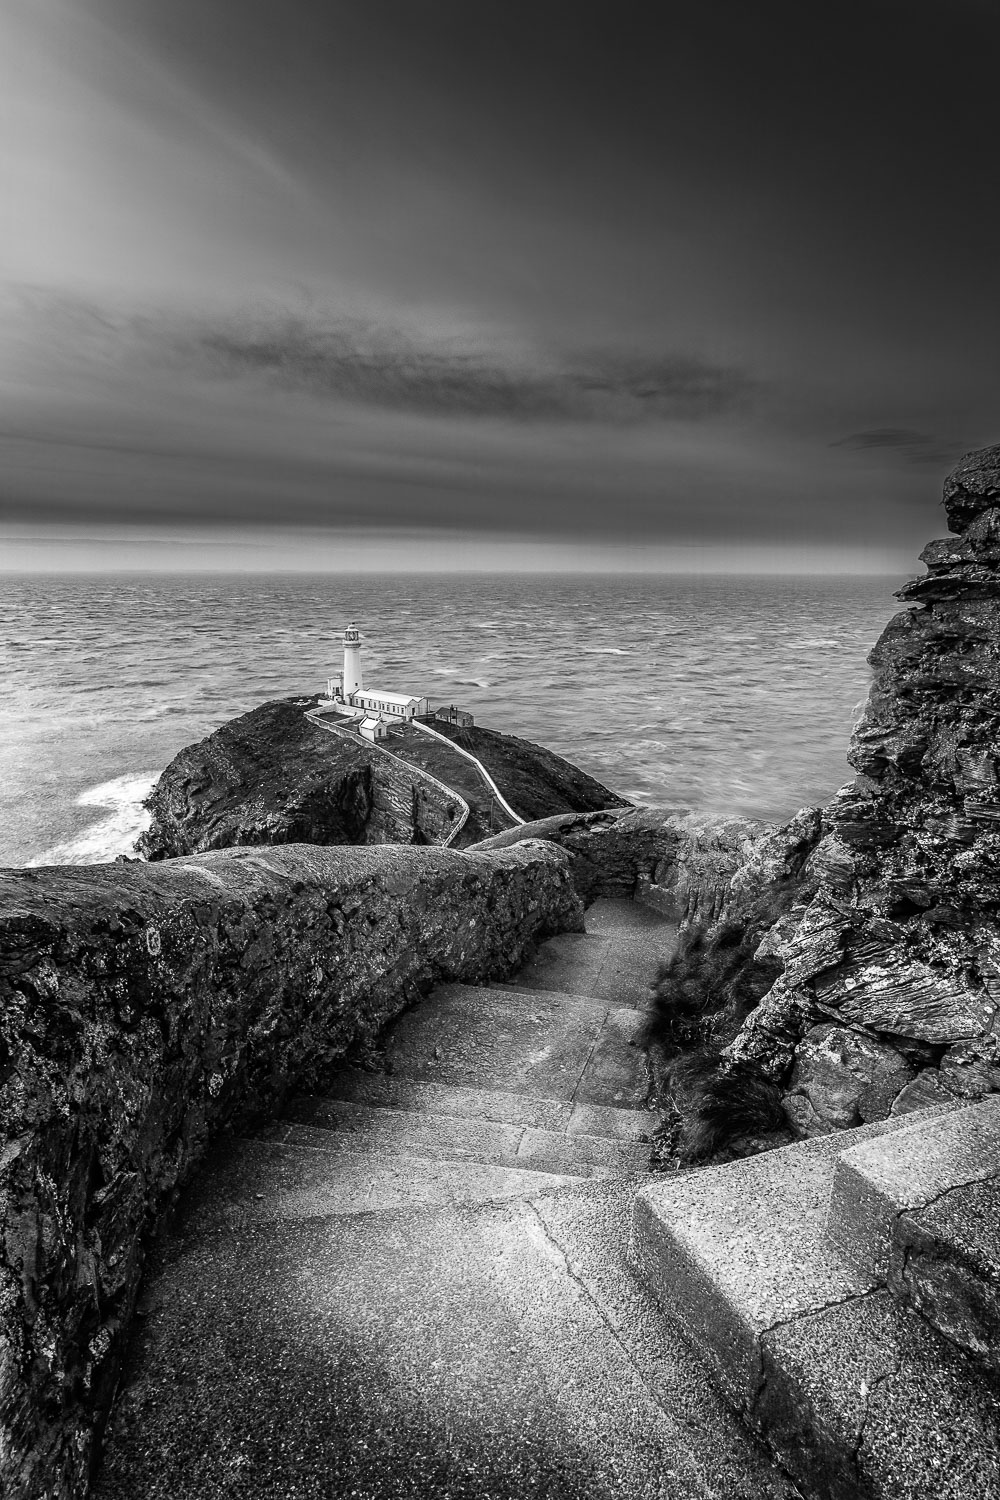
(720, 1104)
(701, 999)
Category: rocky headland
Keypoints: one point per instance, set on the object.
(277, 776)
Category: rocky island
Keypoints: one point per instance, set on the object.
(834, 993)
(281, 775)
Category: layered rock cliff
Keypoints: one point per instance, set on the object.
(890, 985)
(143, 1008)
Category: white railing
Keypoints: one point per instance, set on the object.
(426, 729)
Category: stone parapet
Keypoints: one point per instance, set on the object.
(144, 1008)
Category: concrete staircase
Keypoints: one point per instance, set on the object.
(449, 1279)
(845, 1294)
(415, 1284)
(531, 1085)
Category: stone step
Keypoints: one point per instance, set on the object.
(876, 1181)
(334, 1147)
(946, 1264)
(857, 1396)
(517, 996)
(921, 1212)
(736, 1249)
(863, 1400)
(291, 1174)
(616, 918)
(571, 962)
(393, 1092)
(619, 968)
(561, 1047)
(338, 1125)
(490, 1351)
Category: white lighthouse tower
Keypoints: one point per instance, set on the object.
(352, 661)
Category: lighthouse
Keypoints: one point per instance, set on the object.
(352, 661)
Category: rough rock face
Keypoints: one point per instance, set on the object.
(891, 982)
(144, 1007)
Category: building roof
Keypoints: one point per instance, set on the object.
(370, 721)
(370, 692)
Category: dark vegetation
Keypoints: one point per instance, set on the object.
(712, 1106)
(718, 1109)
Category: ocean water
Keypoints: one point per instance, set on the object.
(723, 694)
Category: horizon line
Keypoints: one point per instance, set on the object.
(40, 550)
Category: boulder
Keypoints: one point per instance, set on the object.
(843, 1078)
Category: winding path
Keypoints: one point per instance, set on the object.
(487, 778)
(408, 765)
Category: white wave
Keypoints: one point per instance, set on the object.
(113, 834)
(605, 651)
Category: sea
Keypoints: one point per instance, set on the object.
(722, 694)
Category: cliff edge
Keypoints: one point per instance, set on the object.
(890, 985)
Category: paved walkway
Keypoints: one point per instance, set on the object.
(416, 1285)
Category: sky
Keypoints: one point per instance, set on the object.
(493, 283)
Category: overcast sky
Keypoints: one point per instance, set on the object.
(509, 281)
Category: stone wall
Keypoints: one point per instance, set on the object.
(891, 983)
(143, 1008)
(682, 864)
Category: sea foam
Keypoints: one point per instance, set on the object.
(114, 833)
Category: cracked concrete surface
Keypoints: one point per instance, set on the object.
(857, 1394)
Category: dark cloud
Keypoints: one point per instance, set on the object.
(916, 447)
(386, 368)
(538, 267)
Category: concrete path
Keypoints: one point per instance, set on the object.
(416, 1284)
